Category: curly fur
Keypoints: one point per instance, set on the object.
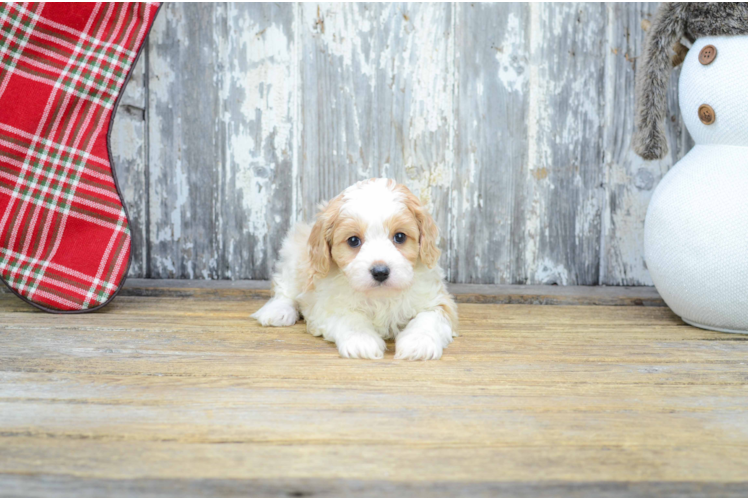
(672, 22)
(320, 277)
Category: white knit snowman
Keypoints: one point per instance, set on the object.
(696, 230)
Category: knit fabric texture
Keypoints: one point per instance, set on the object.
(696, 237)
(723, 85)
(696, 232)
(64, 234)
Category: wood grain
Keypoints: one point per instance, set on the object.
(513, 123)
(128, 143)
(376, 100)
(70, 485)
(473, 294)
(161, 395)
(562, 196)
(491, 144)
(629, 180)
(186, 140)
(463, 293)
(257, 96)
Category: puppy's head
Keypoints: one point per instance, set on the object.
(375, 231)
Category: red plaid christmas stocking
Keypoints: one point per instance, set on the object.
(64, 235)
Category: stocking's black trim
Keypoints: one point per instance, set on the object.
(116, 185)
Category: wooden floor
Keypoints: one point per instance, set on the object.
(176, 391)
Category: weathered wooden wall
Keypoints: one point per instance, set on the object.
(513, 121)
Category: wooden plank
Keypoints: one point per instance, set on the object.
(412, 466)
(222, 165)
(257, 96)
(463, 293)
(186, 140)
(492, 53)
(376, 101)
(39, 485)
(128, 144)
(169, 395)
(562, 199)
(629, 180)
(512, 121)
(556, 295)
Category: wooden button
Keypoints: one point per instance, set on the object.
(707, 54)
(706, 114)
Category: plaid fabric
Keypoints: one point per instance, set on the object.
(64, 235)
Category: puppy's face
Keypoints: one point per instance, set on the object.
(375, 232)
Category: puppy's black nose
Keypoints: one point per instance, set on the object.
(380, 273)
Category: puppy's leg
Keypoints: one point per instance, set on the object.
(425, 336)
(278, 311)
(282, 309)
(353, 335)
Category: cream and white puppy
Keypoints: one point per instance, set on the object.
(365, 272)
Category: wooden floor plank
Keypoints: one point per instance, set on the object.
(463, 293)
(184, 394)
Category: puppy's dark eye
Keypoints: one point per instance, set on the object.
(400, 238)
(354, 241)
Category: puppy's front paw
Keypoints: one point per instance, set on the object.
(277, 313)
(361, 345)
(417, 346)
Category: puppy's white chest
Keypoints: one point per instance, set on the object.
(388, 321)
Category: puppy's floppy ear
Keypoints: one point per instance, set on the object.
(429, 235)
(429, 231)
(320, 238)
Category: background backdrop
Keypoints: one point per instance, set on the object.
(513, 121)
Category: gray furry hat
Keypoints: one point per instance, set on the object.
(672, 22)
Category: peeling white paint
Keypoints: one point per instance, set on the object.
(182, 192)
(510, 56)
(128, 146)
(161, 79)
(259, 84)
(550, 273)
(159, 82)
(430, 53)
(628, 177)
(338, 28)
(537, 121)
(386, 96)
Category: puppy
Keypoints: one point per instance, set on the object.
(365, 272)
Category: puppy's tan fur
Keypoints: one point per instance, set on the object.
(333, 285)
